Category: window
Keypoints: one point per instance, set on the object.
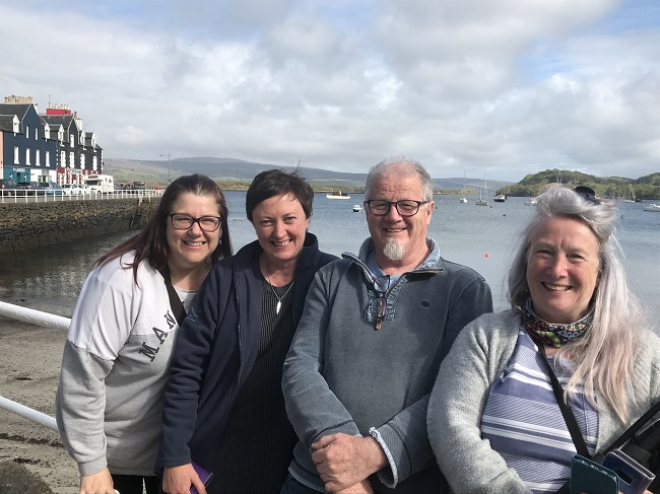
(46, 131)
(48, 158)
(37, 158)
(72, 159)
(94, 164)
(27, 131)
(36, 134)
(72, 140)
(60, 135)
(63, 159)
(82, 161)
(27, 156)
(16, 158)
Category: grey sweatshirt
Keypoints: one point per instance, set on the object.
(341, 375)
(114, 369)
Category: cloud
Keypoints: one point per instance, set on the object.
(481, 86)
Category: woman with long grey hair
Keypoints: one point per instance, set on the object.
(495, 421)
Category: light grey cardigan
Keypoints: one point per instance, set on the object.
(475, 361)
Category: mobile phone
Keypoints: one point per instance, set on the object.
(633, 477)
(592, 477)
(204, 475)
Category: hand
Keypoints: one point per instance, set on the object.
(177, 480)
(363, 487)
(97, 483)
(343, 460)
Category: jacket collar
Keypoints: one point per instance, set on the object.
(432, 263)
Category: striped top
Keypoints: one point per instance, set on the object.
(524, 423)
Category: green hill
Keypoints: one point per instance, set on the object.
(647, 187)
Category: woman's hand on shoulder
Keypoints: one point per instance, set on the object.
(177, 480)
(97, 483)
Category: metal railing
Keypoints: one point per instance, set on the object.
(38, 318)
(47, 195)
(46, 320)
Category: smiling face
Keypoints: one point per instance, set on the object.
(400, 241)
(188, 248)
(562, 269)
(281, 225)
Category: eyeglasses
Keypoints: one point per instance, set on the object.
(185, 222)
(406, 207)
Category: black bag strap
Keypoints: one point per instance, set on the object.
(633, 429)
(566, 411)
(175, 301)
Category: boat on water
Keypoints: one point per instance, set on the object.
(482, 201)
(500, 198)
(632, 194)
(653, 208)
(463, 199)
(531, 202)
(337, 195)
(357, 208)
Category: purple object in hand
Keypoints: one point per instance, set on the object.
(204, 475)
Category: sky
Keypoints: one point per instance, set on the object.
(500, 88)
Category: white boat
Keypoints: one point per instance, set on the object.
(463, 199)
(531, 202)
(482, 201)
(337, 195)
(653, 208)
(357, 208)
(500, 198)
(632, 193)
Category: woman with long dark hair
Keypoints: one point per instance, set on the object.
(122, 333)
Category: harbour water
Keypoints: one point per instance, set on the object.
(483, 238)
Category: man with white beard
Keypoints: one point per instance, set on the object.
(368, 347)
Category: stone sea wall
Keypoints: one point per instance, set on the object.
(25, 225)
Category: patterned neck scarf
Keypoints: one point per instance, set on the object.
(554, 335)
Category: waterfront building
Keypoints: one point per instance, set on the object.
(51, 147)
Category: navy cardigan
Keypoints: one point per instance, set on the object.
(216, 349)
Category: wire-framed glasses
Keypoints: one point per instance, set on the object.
(407, 207)
(182, 221)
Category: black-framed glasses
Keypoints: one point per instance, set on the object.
(407, 207)
(182, 221)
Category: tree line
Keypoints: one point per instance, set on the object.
(643, 188)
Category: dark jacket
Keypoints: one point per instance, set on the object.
(216, 349)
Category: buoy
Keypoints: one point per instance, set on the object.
(487, 255)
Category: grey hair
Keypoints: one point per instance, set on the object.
(605, 356)
(384, 168)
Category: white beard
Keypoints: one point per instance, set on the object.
(393, 250)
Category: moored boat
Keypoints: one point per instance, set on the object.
(500, 198)
(357, 208)
(653, 208)
(337, 195)
(482, 201)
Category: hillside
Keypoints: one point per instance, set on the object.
(643, 188)
(239, 173)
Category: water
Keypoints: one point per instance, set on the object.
(483, 238)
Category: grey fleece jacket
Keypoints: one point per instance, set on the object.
(476, 360)
(341, 375)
